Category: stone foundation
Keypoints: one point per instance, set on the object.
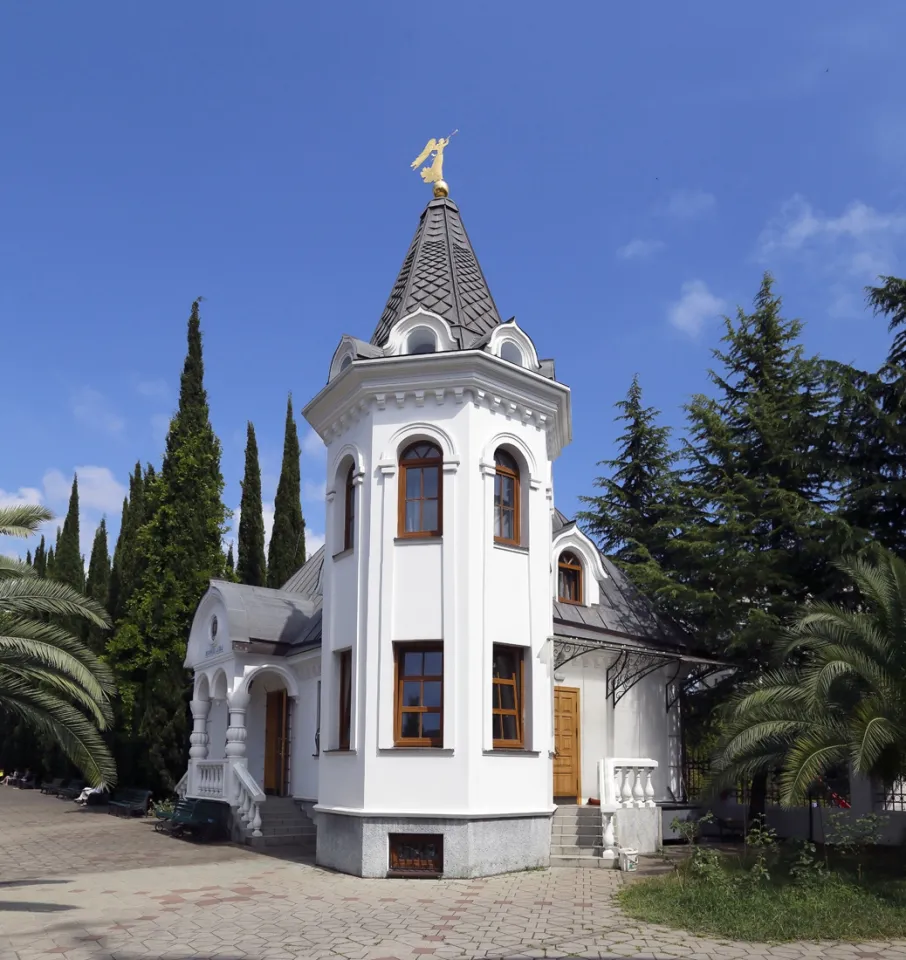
(472, 848)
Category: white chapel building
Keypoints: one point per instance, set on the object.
(458, 683)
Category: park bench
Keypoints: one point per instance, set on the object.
(52, 786)
(130, 802)
(70, 792)
(200, 817)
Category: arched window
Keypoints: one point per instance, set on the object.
(569, 580)
(347, 361)
(506, 498)
(509, 351)
(421, 490)
(421, 340)
(349, 518)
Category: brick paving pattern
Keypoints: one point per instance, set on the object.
(84, 886)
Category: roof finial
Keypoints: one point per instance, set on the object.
(435, 172)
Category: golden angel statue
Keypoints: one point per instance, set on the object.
(435, 172)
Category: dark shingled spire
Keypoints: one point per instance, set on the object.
(441, 274)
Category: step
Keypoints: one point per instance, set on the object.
(283, 819)
(586, 863)
(284, 843)
(576, 850)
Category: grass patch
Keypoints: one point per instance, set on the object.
(839, 907)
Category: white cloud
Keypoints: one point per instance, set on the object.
(695, 306)
(16, 498)
(639, 249)
(314, 492)
(689, 204)
(90, 406)
(98, 489)
(313, 541)
(313, 445)
(861, 242)
(155, 389)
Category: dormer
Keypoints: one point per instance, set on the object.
(576, 568)
(420, 332)
(349, 350)
(511, 343)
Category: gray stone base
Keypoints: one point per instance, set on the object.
(472, 848)
(638, 828)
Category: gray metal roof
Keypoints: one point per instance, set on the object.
(622, 610)
(272, 616)
(307, 579)
(441, 274)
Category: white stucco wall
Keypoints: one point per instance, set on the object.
(460, 590)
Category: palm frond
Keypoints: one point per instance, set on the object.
(22, 519)
(26, 595)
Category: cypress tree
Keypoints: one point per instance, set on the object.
(180, 551)
(97, 585)
(123, 574)
(636, 517)
(40, 562)
(69, 565)
(230, 565)
(287, 547)
(50, 566)
(251, 568)
(28, 559)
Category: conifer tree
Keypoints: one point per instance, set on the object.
(28, 559)
(50, 566)
(230, 565)
(123, 574)
(180, 551)
(251, 567)
(636, 517)
(287, 546)
(764, 539)
(97, 585)
(40, 562)
(69, 566)
(872, 432)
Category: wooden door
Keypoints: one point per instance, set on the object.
(566, 744)
(275, 744)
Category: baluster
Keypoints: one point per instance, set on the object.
(609, 838)
(638, 794)
(625, 789)
(256, 821)
(244, 806)
(649, 787)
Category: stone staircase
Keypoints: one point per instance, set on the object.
(285, 824)
(577, 838)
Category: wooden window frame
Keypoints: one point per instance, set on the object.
(344, 699)
(518, 685)
(577, 567)
(513, 474)
(349, 516)
(421, 463)
(399, 650)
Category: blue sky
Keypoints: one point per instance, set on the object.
(625, 172)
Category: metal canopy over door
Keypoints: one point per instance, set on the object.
(276, 742)
(566, 744)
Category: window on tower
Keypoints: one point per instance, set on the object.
(421, 340)
(508, 712)
(421, 490)
(506, 498)
(349, 517)
(419, 704)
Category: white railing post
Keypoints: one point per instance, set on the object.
(605, 796)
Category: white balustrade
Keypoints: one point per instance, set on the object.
(183, 785)
(608, 808)
(627, 782)
(210, 778)
(248, 799)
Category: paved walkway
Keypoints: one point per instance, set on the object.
(82, 885)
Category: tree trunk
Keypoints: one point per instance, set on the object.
(758, 798)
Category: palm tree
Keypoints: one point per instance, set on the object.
(48, 677)
(842, 699)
